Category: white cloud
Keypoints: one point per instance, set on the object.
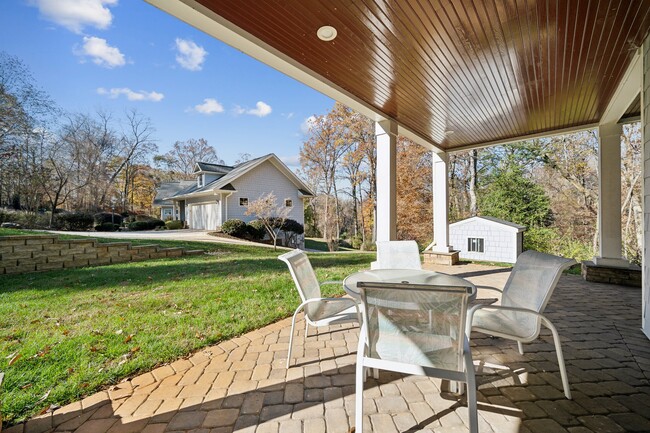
(190, 56)
(209, 106)
(287, 115)
(131, 95)
(306, 125)
(101, 53)
(262, 109)
(74, 15)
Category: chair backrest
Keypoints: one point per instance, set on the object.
(398, 255)
(302, 273)
(533, 280)
(415, 324)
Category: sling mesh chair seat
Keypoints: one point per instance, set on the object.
(525, 295)
(415, 329)
(319, 311)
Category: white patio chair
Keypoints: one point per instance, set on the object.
(523, 300)
(397, 255)
(398, 334)
(319, 311)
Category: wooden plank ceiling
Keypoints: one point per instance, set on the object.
(461, 72)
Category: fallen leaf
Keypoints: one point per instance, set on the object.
(70, 370)
(119, 332)
(29, 385)
(93, 349)
(35, 321)
(66, 332)
(128, 338)
(84, 385)
(15, 358)
(135, 349)
(11, 355)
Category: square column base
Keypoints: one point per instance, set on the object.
(629, 276)
(442, 258)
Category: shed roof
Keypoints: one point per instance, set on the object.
(491, 220)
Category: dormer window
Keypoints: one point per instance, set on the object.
(199, 181)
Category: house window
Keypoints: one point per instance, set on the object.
(288, 202)
(199, 181)
(476, 245)
(243, 201)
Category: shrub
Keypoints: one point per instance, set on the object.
(292, 226)
(107, 227)
(234, 227)
(149, 224)
(344, 243)
(255, 230)
(174, 225)
(107, 217)
(356, 242)
(76, 220)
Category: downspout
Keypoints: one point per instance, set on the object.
(226, 201)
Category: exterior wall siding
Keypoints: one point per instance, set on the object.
(500, 244)
(260, 181)
(645, 125)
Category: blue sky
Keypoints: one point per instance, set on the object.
(116, 55)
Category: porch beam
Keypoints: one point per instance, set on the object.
(386, 224)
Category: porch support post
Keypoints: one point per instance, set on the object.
(645, 134)
(609, 197)
(386, 224)
(440, 203)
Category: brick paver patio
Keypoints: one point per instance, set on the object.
(241, 385)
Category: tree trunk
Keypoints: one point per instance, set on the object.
(473, 181)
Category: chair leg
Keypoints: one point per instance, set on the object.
(560, 357)
(358, 411)
(293, 325)
(471, 390)
(520, 346)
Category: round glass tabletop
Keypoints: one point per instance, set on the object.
(413, 276)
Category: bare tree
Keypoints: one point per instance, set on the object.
(185, 154)
(272, 216)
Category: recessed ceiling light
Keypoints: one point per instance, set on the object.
(326, 33)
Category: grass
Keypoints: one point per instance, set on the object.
(319, 244)
(68, 333)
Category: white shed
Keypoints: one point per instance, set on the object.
(487, 238)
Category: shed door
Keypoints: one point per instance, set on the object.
(204, 216)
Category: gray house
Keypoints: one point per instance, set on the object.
(222, 192)
(487, 238)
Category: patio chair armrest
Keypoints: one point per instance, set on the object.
(489, 288)
(475, 308)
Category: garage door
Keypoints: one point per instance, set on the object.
(204, 216)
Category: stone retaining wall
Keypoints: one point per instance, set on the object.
(23, 254)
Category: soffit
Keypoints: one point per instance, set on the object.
(463, 72)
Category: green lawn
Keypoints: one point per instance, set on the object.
(69, 333)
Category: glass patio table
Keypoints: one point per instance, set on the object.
(412, 276)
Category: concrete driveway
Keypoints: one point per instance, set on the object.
(165, 235)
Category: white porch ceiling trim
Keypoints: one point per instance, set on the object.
(545, 134)
(200, 17)
(628, 88)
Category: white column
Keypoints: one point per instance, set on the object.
(609, 197)
(440, 203)
(645, 129)
(386, 224)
